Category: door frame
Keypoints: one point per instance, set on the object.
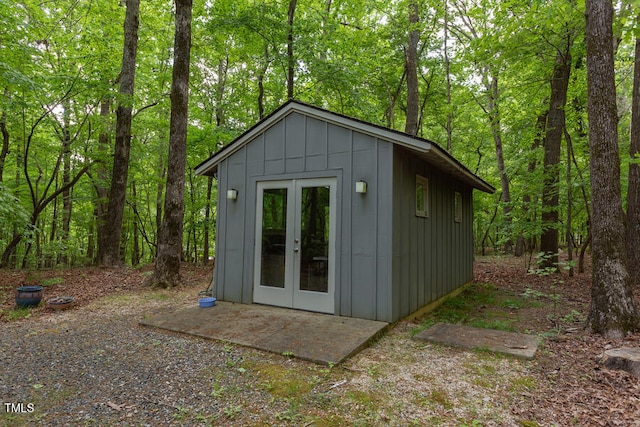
(290, 295)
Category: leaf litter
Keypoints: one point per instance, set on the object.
(99, 366)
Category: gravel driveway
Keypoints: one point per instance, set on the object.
(92, 366)
(81, 370)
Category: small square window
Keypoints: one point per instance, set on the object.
(422, 196)
(457, 207)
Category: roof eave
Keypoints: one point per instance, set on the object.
(421, 146)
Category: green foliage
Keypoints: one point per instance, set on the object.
(481, 306)
(51, 281)
(60, 63)
(12, 213)
(17, 313)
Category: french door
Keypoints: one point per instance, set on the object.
(295, 244)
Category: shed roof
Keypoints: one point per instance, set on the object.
(426, 149)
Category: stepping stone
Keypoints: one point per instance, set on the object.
(624, 358)
(511, 343)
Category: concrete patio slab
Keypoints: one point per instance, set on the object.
(512, 343)
(320, 338)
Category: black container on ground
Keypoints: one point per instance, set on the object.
(28, 296)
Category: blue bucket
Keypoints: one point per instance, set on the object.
(207, 302)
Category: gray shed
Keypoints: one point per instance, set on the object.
(318, 211)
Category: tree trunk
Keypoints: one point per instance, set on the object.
(290, 59)
(613, 311)
(109, 247)
(135, 254)
(528, 243)
(411, 66)
(261, 75)
(447, 65)
(223, 67)
(5, 139)
(552, 143)
(494, 119)
(167, 271)
(100, 184)
(162, 170)
(587, 207)
(569, 235)
(47, 259)
(633, 193)
(66, 178)
(11, 259)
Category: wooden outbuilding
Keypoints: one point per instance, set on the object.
(322, 212)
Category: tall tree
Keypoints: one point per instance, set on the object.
(552, 144)
(109, 246)
(5, 138)
(101, 205)
(167, 270)
(411, 65)
(447, 67)
(494, 115)
(613, 310)
(489, 70)
(290, 58)
(633, 192)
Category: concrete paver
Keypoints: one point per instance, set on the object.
(320, 338)
(512, 343)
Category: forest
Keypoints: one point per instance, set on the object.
(500, 84)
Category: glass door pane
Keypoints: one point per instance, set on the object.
(274, 237)
(314, 239)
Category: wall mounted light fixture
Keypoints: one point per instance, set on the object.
(361, 187)
(232, 194)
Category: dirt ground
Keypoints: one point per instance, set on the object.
(573, 387)
(565, 385)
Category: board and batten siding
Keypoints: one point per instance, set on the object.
(431, 256)
(300, 147)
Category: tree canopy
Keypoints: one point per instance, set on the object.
(485, 91)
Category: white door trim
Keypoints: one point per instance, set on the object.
(291, 295)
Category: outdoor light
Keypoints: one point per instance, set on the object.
(232, 194)
(361, 187)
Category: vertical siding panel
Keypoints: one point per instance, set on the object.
(442, 227)
(435, 237)
(294, 144)
(426, 244)
(363, 227)
(432, 243)
(469, 234)
(413, 241)
(316, 149)
(407, 189)
(235, 216)
(449, 238)
(396, 238)
(423, 234)
(255, 161)
(255, 156)
(420, 254)
(341, 140)
(250, 236)
(384, 244)
(221, 231)
(274, 149)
